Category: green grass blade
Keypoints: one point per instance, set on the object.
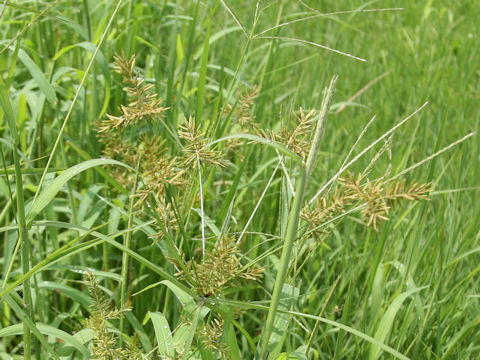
(27, 321)
(52, 190)
(163, 334)
(386, 322)
(45, 87)
(48, 330)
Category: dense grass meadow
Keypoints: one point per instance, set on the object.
(226, 179)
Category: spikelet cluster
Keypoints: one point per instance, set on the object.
(211, 334)
(105, 342)
(167, 218)
(194, 148)
(297, 138)
(376, 199)
(243, 110)
(114, 147)
(148, 152)
(220, 269)
(243, 118)
(295, 135)
(143, 102)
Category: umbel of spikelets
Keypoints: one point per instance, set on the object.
(194, 148)
(105, 342)
(220, 269)
(142, 101)
(375, 198)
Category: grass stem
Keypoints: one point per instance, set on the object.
(22, 229)
(293, 219)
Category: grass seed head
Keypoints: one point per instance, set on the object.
(375, 197)
(221, 268)
(195, 150)
(101, 311)
(143, 102)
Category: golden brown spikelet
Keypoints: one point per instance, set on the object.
(243, 110)
(143, 102)
(375, 198)
(194, 148)
(297, 139)
(211, 334)
(220, 269)
(101, 311)
(167, 217)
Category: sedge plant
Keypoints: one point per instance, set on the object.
(169, 190)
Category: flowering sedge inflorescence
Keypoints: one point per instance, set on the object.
(143, 103)
(163, 169)
(220, 269)
(375, 198)
(105, 342)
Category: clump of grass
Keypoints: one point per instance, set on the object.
(179, 171)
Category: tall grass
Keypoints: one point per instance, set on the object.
(180, 181)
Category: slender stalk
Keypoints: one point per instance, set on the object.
(125, 259)
(202, 210)
(259, 202)
(293, 220)
(240, 61)
(23, 240)
(25, 253)
(291, 234)
(327, 100)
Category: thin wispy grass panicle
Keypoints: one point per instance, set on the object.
(220, 269)
(143, 102)
(316, 14)
(386, 148)
(376, 199)
(194, 148)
